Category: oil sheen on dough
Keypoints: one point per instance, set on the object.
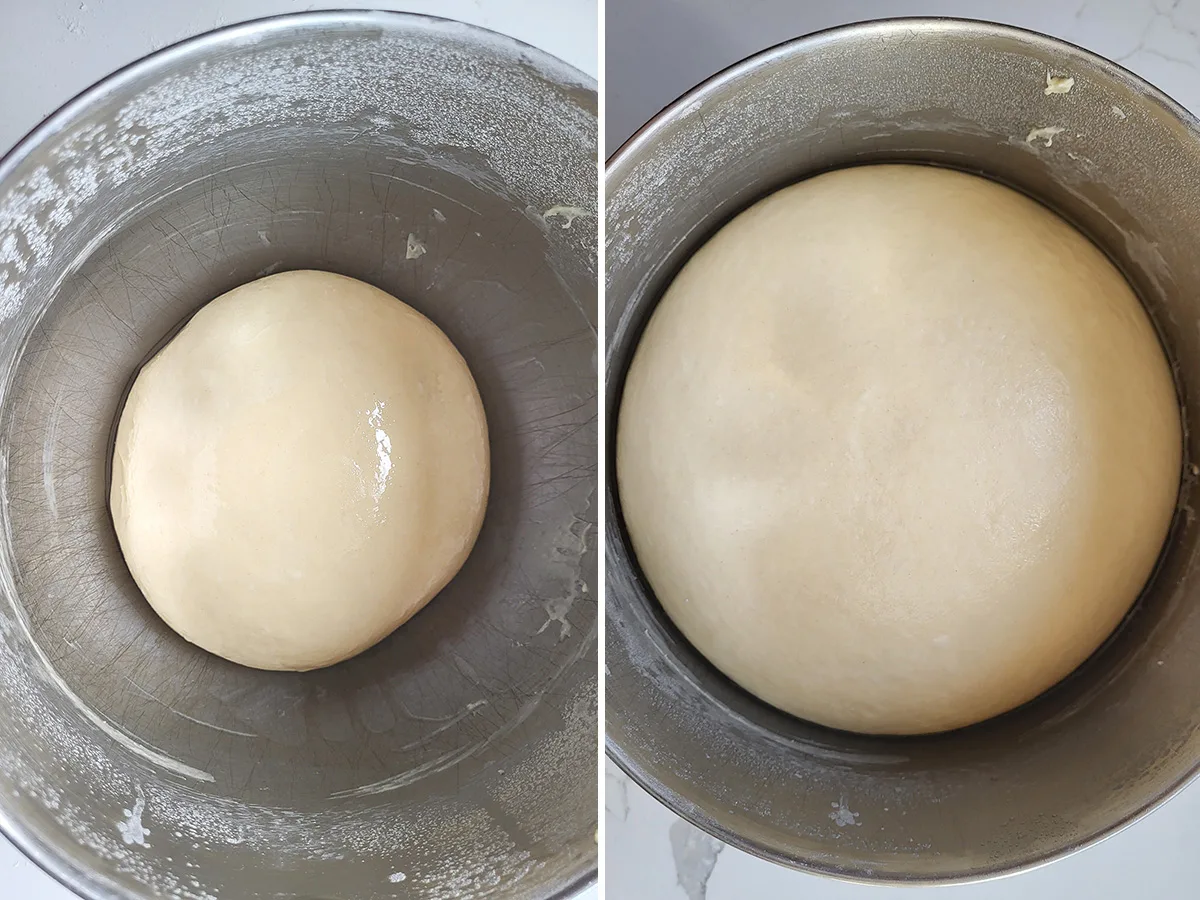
(299, 471)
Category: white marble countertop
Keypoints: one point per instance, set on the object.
(51, 50)
(657, 50)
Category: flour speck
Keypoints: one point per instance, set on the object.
(568, 214)
(132, 830)
(842, 816)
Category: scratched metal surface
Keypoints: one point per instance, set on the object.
(456, 170)
(1122, 733)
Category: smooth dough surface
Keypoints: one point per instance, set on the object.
(898, 449)
(299, 471)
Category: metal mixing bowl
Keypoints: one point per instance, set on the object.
(456, 759)
(1115, 157)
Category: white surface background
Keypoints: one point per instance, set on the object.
(51, 50)
(655, 51)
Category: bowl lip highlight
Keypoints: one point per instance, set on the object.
(625, 158)
(89, 884)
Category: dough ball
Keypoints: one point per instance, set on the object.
(898, 449)
(299, 471)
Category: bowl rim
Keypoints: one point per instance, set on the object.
(87, 884)
(248, 30)
(615, 165)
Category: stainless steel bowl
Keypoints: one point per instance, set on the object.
(454, 168)
(1121, 161)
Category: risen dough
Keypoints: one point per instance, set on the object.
(898, 449)
(299, 471)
